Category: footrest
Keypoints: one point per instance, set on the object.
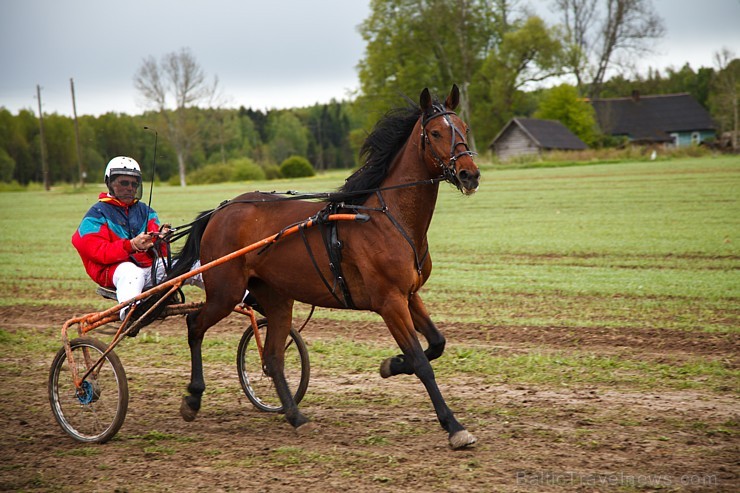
(182, 308)
(107, 293)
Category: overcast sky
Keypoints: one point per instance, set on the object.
(266, 53)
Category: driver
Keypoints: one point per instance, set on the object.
(116, 237)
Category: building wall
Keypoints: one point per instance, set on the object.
(685, 139)
(514, 142)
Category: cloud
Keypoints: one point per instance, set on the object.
(273, 54)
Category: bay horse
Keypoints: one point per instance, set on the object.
(384, 261)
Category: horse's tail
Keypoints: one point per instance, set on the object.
(183, 260)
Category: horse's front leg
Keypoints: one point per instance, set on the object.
(399, 365)
(399, 321)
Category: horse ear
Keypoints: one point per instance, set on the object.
(454, 98)
(425, 100)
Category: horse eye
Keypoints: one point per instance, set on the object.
(436, 134)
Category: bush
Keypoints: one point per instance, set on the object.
(246, 170)
(296, 167)
(212, 173)
(12, 186)
(241, 169)
(272, 171)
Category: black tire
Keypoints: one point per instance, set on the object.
(98, 415)
(258, 387)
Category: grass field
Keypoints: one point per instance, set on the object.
(592, 314)
(645, 238)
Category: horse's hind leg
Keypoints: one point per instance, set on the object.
(399, 365)
(400, 323)
(198, 323)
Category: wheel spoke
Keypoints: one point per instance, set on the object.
(98, 413)
(260, 388)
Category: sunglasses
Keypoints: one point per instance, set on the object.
(126, 183)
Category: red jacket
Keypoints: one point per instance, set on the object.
(103, 237)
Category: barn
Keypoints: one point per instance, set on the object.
(667, 119)
(526, 136)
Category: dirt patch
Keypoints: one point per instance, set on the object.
(381, 435)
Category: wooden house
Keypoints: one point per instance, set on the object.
(670, 119)
(525, 136)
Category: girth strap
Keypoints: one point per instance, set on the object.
(332, 290)
(329, 230)
(330, 236)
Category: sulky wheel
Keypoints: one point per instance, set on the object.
(259, 387)
(95, 413)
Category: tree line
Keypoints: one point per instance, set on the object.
(499, 52)
(321, 133)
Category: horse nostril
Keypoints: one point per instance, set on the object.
(466, 175)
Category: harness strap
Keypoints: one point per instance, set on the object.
(302, 231)
(333, 247)
(399, 227)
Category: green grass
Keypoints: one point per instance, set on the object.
(540, 366)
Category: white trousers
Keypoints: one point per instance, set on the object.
(131, 280)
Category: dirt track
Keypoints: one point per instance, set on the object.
(382, 435)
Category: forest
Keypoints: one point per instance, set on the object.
(512, 63)
(254, 139)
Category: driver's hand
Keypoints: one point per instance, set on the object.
(142, 242)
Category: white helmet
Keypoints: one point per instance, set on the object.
(122, 165)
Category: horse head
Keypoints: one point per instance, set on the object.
(444, 142)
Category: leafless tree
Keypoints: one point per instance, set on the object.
(172, 86)
(599, 32)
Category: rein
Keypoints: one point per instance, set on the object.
(178, 232)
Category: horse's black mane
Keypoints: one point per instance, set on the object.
(380, 147)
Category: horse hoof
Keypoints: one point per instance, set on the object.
(187, 413)
(462, 439)
(307, 429)
(385, 368)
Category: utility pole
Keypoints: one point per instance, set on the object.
(77, 134)
(44, 163)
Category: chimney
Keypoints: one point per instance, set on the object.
(635, 95)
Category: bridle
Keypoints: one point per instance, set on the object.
(448, 169)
